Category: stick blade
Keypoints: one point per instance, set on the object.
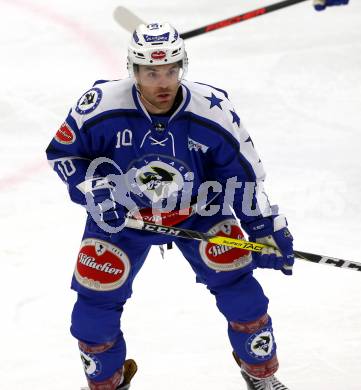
(127, 19)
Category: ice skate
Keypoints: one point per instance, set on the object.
(270, 383)
(130, 368)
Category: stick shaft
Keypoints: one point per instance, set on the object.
(239, 18)
(236, 243)
(128, 20)
(332, 261)
(193, 235)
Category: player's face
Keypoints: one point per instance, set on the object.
(158, 85)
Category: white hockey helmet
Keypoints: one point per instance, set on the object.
(156, 44)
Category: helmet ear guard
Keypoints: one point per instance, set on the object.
(156, 44)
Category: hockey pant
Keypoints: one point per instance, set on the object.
(103, 277)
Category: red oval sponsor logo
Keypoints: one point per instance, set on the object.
(169, 218)
(65, 135)
(158, 55)
(222, 257)
(101, 266)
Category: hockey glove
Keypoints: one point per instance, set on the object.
(273, 232)
(320, 5)
(103, 208)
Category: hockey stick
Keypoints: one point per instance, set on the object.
(130, 21)
(127, 19)
(235, 243)
(193, 235)
(239, 18)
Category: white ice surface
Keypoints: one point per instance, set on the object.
(295, 78)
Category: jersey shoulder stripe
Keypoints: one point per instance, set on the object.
(216, 88)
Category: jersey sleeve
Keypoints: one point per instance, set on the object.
(237, 164)
(232, 159)
(69, 154)
(84, 137)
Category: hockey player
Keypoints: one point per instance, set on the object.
(154, 146)
(320, 5)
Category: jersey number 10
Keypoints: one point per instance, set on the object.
(124, 138)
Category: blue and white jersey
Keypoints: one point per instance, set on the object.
(202, 141)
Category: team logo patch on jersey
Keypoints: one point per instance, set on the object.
(91, 364)
(197, 146)
(261, 345)
(158, 178)
(158, 55)
(221, 257)
(65, 135)
(101, 266)
(89, 101)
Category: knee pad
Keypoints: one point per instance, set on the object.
(240, 296)
(103, 363)
(95, 321)
(254, 346)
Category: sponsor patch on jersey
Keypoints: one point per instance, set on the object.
(221, 257)
(91, 364)
(89, 101)
(170, 218)
(101, 266)
(158, 55)
(197, 146)
(261, 345)
(65, 135)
